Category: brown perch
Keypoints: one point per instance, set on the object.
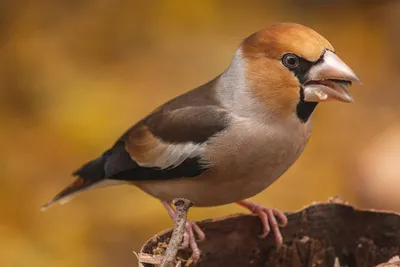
(324, 234)
(182, 209)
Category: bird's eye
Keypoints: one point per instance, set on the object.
(290, 61)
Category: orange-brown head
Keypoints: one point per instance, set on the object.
(291, 68)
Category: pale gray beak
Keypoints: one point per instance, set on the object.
(328, 79)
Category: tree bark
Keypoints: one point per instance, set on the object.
(324, 234)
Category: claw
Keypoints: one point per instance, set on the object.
(271, 219)
(189, 239)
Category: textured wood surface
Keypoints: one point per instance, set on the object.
(326, 234)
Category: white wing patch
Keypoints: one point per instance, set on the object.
(171, 155)
(149, 151)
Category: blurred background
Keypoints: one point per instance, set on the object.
(75, 74)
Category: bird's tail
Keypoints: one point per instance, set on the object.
(88, 176)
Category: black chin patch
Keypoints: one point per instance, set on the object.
(304, 109)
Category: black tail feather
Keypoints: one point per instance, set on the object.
(88, 175)
(94, 169)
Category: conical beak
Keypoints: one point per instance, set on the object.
(328, 79)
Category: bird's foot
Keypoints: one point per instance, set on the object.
(271, 219)
(189, 239)
(189, 236)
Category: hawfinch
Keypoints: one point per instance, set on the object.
(232, 137)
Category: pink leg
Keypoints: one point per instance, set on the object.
(268, 218)
(189, 239)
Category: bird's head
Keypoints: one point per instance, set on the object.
(291, 68)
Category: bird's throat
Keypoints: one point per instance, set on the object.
(305, 109)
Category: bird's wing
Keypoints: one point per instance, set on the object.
(170, 142)
(169, 139)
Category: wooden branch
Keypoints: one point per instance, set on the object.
(182, 207)
(323, 234)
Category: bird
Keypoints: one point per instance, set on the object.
(232, 137)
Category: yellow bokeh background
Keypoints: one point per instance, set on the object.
(75, 74)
